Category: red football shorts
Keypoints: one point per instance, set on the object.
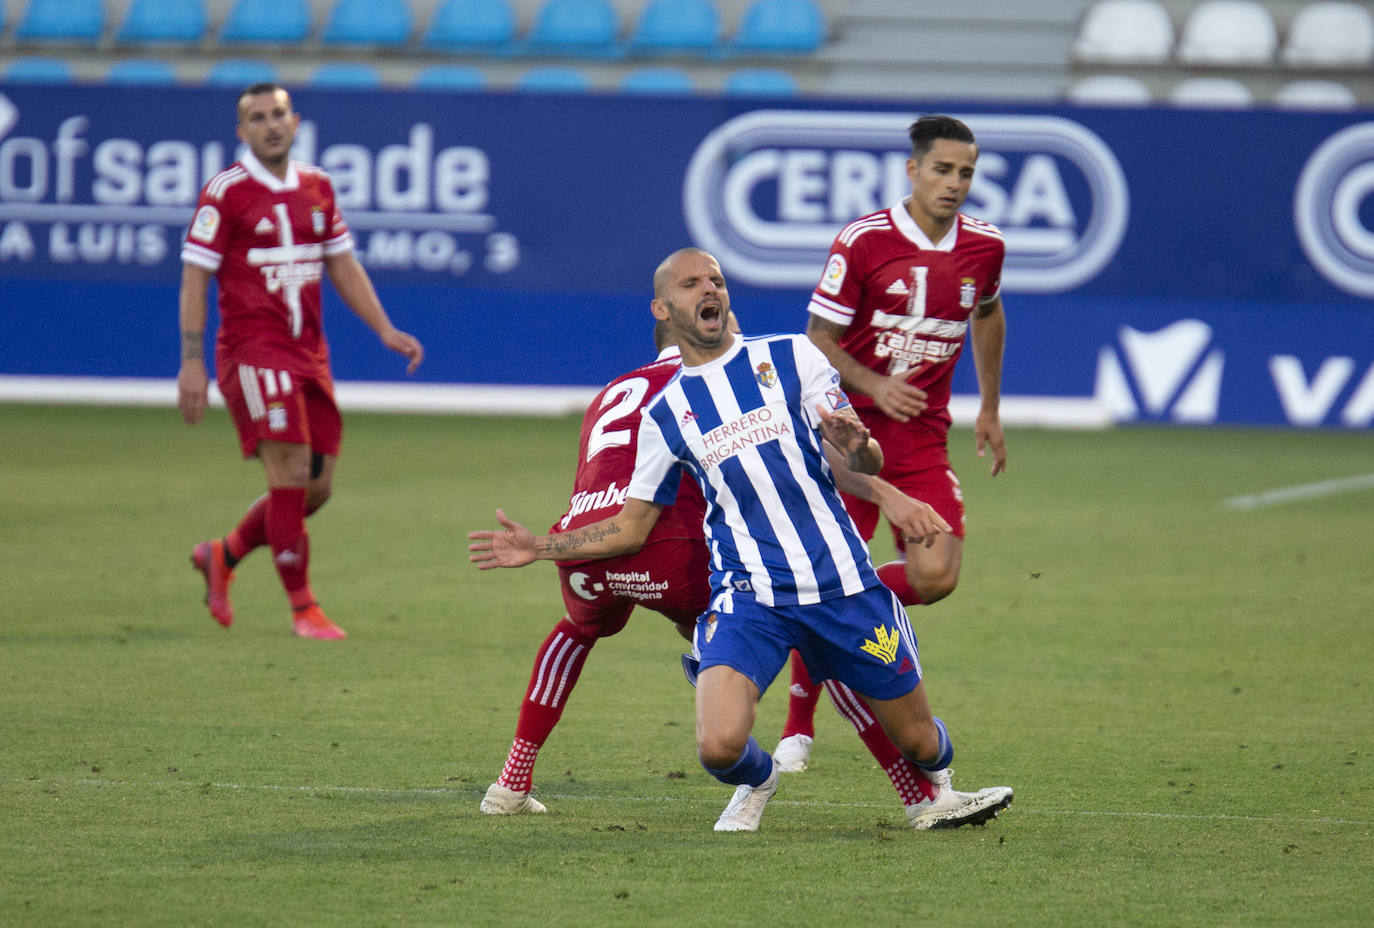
(268, 405)
(915, 461)
(671, 577)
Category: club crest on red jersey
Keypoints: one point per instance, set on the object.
(317, 220)
(967, 291)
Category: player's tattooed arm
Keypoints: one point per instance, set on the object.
(192, 346)
(571, 543)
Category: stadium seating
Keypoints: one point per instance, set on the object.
(1125, 32)
(1330, 35)
(657, 81)
(240, 72)
(61, 21)
(575, 27)
(761, 82)
(1110, 90)
(345, 74)
(780, 26)
(39, 70)
(1228, 32)
(449, 77)
(486, 26)
(275, 22)
(551, 78)
(384, 23)
(157, 22)
(1316, 95)
(675, 27)
(141, 71)
(1212, 92)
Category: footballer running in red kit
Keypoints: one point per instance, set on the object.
(901, 292)
(267, 230)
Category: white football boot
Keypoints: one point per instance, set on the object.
(951, 808)
(793, 753)
(502, 801)
(746, 806)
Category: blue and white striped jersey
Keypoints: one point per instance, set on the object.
(745, 426)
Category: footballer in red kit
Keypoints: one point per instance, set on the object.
(267, 229)
(902, 293)
(670, 574)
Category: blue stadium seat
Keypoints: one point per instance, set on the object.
(240, 72)
(141, 71)
(556, 79)
(657, 81)
(471, 25)
(791, 27)
(282, 22)
(676, 27)
(61, 21)
(449, 77)
(345, 74)
(761, 82)
(37, 70)
(368, 22)
(575, 27)
(163, 21)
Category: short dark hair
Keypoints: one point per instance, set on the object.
(925, 131)
(252, 90)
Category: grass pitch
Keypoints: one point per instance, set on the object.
(1179, 691)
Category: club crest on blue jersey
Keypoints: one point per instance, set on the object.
(885, 648)
(766, 374)
(710, 627)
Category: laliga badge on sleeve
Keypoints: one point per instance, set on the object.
(833, 277)
(205, 226)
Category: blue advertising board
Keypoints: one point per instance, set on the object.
(1162, 265)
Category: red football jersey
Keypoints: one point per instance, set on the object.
(266, 239)
(906, 300)
(606, 456)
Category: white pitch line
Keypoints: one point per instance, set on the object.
(469, 792)
(1304, 491)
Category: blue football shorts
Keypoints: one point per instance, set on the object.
(864, 640)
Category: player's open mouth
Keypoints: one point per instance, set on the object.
(710, 312)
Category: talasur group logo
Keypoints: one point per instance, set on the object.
(1332, 209)
(767, 191)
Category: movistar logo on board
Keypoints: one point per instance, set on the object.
(767, 191)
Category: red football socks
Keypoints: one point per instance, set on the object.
(557, 666)
(285, 524)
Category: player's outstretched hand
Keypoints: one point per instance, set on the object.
(512, 546)
(899, 398)
(987, 430)
(406, 344)
(918, 522)
(846, 432)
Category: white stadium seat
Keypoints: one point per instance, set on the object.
(1213, 92)
(1110, 90)
(1331, 35)
(1125, 32)
(1316, 95)
(1229, 32)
